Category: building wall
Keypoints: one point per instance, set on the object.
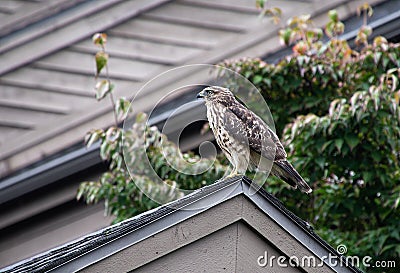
(234, 248)
(228, 237)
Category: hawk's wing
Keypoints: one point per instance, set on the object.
(247, 127)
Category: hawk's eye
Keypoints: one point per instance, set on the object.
(210, 92)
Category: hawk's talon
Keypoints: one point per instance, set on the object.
(231, 175)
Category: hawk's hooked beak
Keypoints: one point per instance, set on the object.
(201, 95)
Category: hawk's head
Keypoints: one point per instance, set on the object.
(213, 93)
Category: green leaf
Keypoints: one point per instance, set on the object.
(257, 79)
(333, 15)
(339, 143)
(122, 108)
(351, 140)
(320, 161)
(248, 73)
(141, 117)
(104, 150)
(260, 3)
(376, 156)
(93, 137)
(267, 81)
(285, 36)
(103, 88)
(367, 176)
(325, 145)
(99, 39)
(101, 61)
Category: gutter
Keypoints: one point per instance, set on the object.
(69, 162)
(48, 171)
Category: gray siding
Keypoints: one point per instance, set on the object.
(225, 238)
(235, 248)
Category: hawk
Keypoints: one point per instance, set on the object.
(245, 139)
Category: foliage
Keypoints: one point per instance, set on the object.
(316, 72)
(121, 191)
(273, 12)
(353, 162)
(337, 109)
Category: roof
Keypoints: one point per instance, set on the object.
(46, 76)
(95, 247)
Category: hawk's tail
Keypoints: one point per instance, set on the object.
(285, 171)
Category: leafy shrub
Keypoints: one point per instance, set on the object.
(316, 73)
(351, 155)
(123, 192)
(337, 110)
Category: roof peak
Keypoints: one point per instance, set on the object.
(86, 250)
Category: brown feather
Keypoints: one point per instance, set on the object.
(240, 132)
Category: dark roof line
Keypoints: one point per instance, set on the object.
(82, 251)
(62, 165)
(66, 162)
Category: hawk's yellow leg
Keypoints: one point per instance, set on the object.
(233, 173)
